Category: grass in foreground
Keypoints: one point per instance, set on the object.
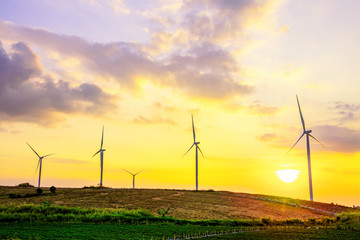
(159, 231)
(292, 233)
(102, 231)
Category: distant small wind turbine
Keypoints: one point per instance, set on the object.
(133, 176)
(39, 162)
(101, 151)
(307, 132)
(196, 152)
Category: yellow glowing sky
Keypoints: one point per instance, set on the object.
(141, 69)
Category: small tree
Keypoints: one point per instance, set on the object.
(39, 191)
(53, 189)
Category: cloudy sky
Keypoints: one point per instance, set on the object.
(141, 68)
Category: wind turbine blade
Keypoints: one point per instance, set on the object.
(295, 143)
(317, 140)
(37, 167)
(188, 150)
(200, 151)
(96, 153)
(102, 138)
(138, 173)
(33, 150)
(128, 172)
(48, 155)
(192, 119)
(301, 116)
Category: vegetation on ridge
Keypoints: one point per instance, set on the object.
(183, 204)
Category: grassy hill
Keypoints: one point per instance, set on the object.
(183, 204)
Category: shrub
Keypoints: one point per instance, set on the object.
(25, 185)
(162, 213)
(46, 203)
(266, 221)
(39, 191)
(53, 189)
(29, 195)
(293, 221)
(14, 195)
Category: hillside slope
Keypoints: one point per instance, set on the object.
(183, 204)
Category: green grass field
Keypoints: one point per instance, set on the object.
(129, 214)
(101, 231)
(159, 231)
(293, 234)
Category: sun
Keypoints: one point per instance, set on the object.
(288, 175)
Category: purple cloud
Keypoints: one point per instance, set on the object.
(27, 94)
(346, 111)
(268, 137)
(205, 70)
(338, 139)
(221, 20)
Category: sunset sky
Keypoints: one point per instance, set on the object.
(141, 68)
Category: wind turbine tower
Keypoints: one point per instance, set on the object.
(101, 151)
(196, 153)
(307, 133)
(133, 176)
(39, 163)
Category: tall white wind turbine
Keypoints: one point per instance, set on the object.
(307, 133)
(196, 152)
(39, 163)
(101, 151)
(133, 176)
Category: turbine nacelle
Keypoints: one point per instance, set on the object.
(196, 143)
(308, 131)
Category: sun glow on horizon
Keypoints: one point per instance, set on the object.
(288, 175)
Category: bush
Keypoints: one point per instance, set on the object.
(29, 195)
(162, 213)
(47, 204)
(25, 185)
(53, 189)
(266, 221)
(293, 221)
(14, 195)
(39, 191)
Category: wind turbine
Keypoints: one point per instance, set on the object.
(196, 152)
(133, 176)
(39, 162)
(101, 151)
(307, 133)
